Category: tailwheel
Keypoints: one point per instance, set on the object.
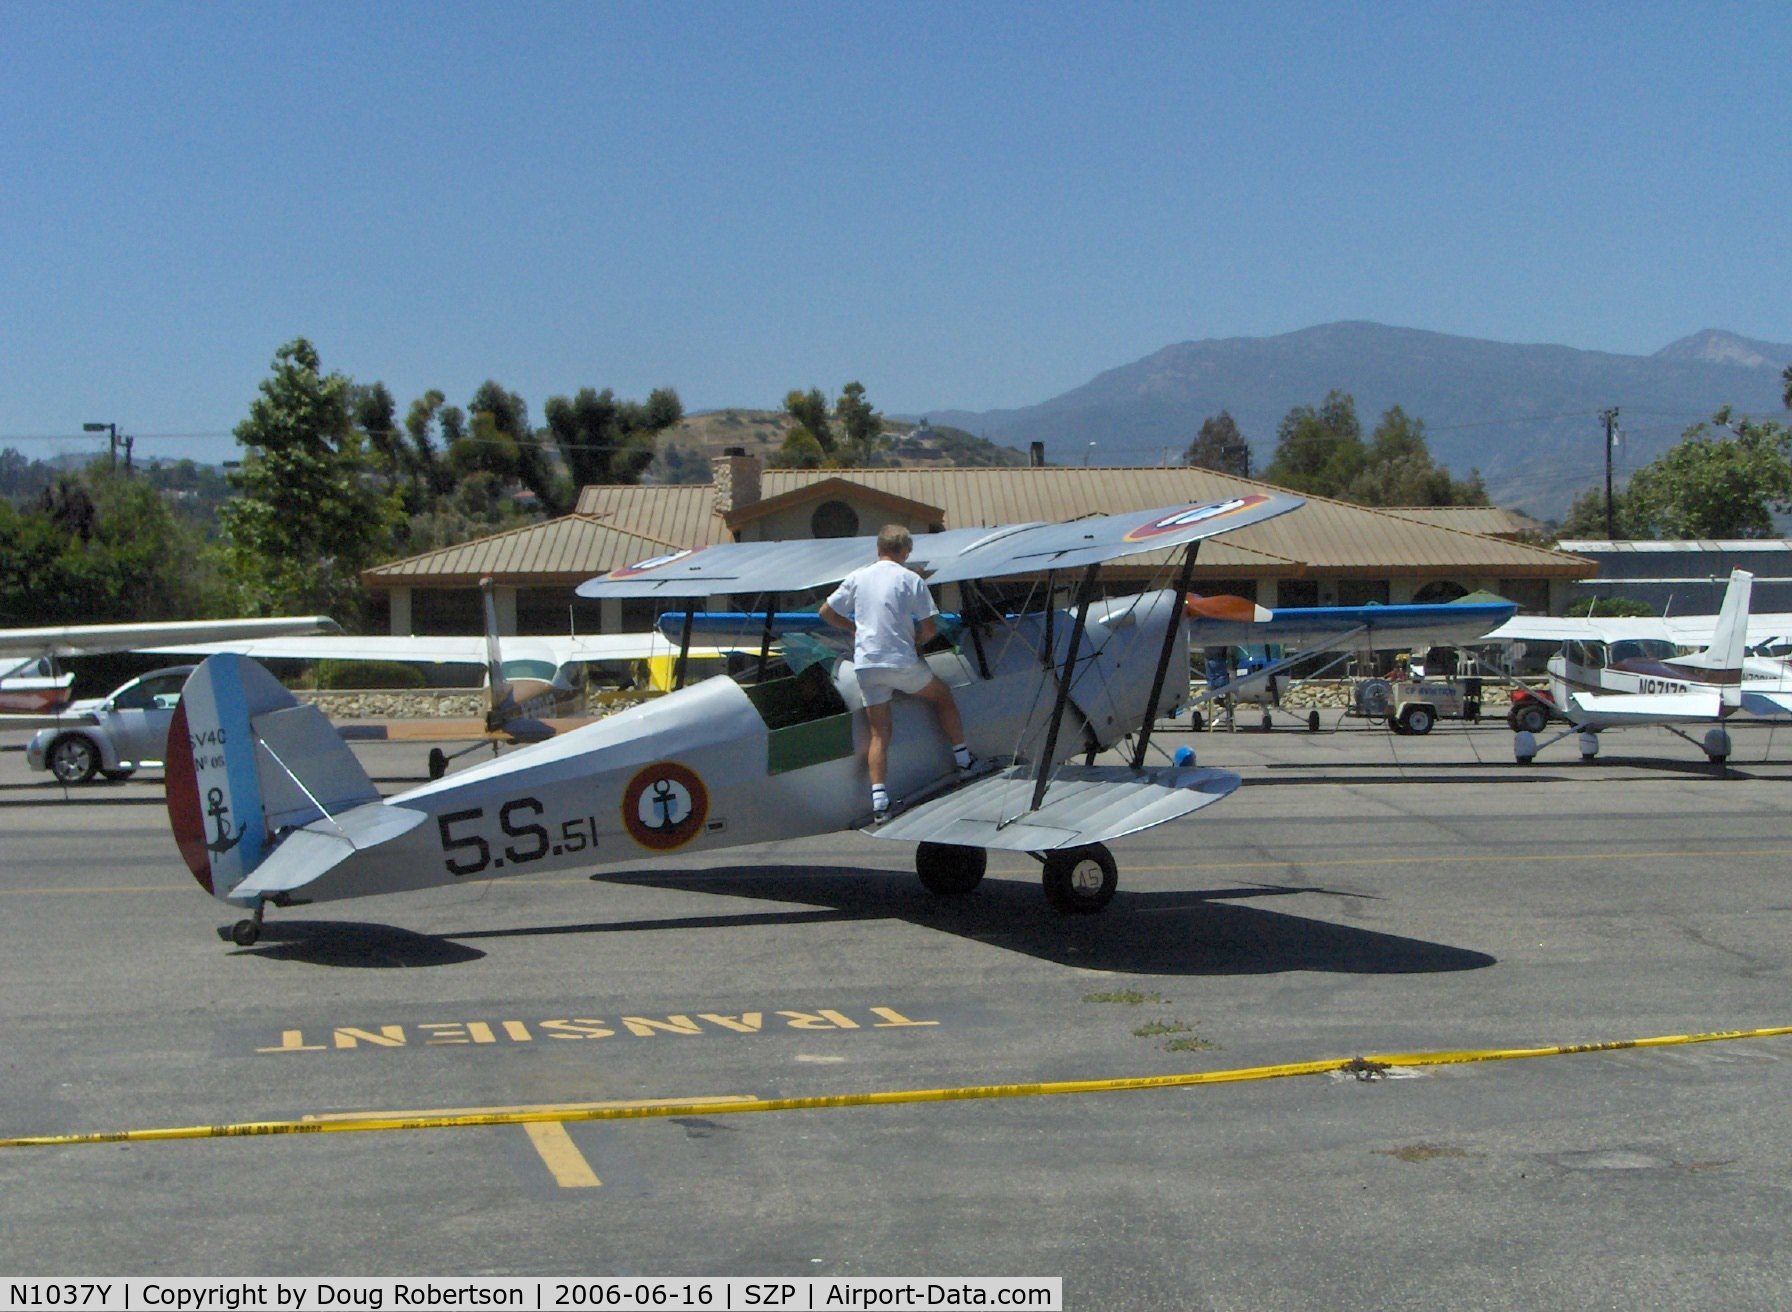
(1080, 880)
(438, 763)
(245, 932)
(949, 870)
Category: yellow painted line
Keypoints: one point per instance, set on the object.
(561, 1155)
(571, 1109)
(882, 1098)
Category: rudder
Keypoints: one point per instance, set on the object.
(245, 762)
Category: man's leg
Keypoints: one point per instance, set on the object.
(877, 755)
(945, 707)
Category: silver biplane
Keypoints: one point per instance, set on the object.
(269, 807)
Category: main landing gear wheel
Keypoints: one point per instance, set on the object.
(949, 870)
(1080, 880)
(1312, 721)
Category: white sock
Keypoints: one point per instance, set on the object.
(880, 799)
(962, 755)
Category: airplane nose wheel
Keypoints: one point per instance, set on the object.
(1080, 880)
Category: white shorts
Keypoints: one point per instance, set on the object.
(879, 682)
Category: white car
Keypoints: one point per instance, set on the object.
(114, 735)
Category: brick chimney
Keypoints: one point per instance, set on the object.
(736, 479)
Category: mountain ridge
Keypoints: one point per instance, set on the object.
(1525, 414)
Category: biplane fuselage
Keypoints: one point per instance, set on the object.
(716, 765)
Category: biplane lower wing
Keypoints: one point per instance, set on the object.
(1082, 804)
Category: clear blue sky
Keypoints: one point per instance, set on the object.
(961, 205)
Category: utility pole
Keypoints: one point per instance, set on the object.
(1611, 418)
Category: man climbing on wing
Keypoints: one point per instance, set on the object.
(889, 612)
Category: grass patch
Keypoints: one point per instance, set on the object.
(1125, 997)
(1152, 1028)
(1425, 1152)
(1190, 1043)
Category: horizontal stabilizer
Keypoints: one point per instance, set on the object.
(1599, 710)
(306, 854)
(1083, 804)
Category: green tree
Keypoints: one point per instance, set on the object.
(604, 439)
(309, 518)
(1786, 380)
(861, 426)
(1710, 486)
(101, 546)
(1609, 608)
(1319, 451)
(1398, 470)
(1220, 446)
(1585, 520)
(810, 410)
(801, 450)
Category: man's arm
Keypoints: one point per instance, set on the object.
(924, 632)
(834, 618)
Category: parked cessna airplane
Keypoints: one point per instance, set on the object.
(1617, 672)
(534, 686)
(31, 684)
(269, 806)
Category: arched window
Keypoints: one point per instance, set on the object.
(1433, 594)
(834, 519)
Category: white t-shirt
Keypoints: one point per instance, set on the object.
(885, 601)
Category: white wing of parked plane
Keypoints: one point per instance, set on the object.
(96, 639)
(448, 650)
(1683, 630)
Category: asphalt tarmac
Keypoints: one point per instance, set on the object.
(1361, 894)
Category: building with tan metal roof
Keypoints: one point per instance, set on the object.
(1326, 553)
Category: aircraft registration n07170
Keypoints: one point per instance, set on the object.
(270, 807)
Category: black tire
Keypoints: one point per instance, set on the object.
(1080, 880)
(1197, 722)
(438, 763)
(1417, 720)
(118, 776)
(73, 758)
(1528, 717)
(244, 933)
(948, 870)
(1312, 721)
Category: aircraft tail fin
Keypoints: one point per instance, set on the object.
(245, 764)
(500, 697)
(1729, 637)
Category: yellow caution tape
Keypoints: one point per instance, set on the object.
(1367, 1065)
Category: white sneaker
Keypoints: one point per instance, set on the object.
(969, 768)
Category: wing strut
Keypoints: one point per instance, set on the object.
(1085, 593)
(765, 635)
(684, 647)
(1163, 656)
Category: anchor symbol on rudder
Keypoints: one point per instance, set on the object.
(217, 810)
(666, 800)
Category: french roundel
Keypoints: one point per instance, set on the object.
(1178, 520)
(653, 563)
(664, 806)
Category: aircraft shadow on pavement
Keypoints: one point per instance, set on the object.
(354, 944)
(1180, 933)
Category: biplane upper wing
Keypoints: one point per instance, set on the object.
(1082, 804)
(949, 557)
